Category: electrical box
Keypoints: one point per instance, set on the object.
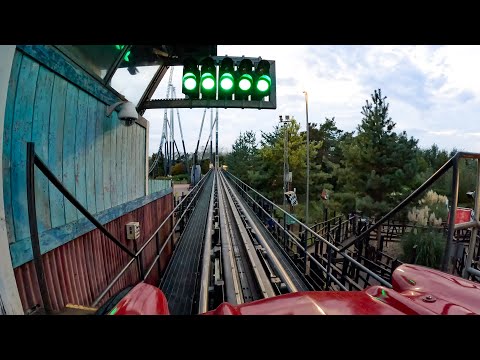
(133, 230)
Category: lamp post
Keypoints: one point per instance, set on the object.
(308, 158)
(285, 157)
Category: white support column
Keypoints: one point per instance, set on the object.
(10, 303)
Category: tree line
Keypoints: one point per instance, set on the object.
(369, 170)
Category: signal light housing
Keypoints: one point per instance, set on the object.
(239, 82)
(208, 79)
(263, 80)
(245, 80)
(191, 79)
(226, 79)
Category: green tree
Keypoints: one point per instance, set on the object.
(379, 165)
(268, 176)
(159, 169)
(243, 156)
(178, 168)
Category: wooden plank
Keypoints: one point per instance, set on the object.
(7, 145)
(99, 198)
(53, 59)
(55, 149)
(69, 139)
(130, 146)
(136, 161)
(22, 133)
(107, 154)
(113, 161)
(41, 123)
(90, 155)
(119, 164)
(80, 150)
(124, 164)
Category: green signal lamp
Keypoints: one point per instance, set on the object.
(245, 80)
(226, 79)
(191, 79)
(208, 79)
(263, 80)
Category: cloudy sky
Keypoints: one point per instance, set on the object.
(433, 91)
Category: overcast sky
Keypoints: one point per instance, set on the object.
(433, 91)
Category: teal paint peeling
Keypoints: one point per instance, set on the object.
(41, 124)
(87, 151)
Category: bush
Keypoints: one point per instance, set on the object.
(425, 243)
(178, 169)
(430, 244)
(181, 178)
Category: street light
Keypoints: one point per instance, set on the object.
(308, 157)
(285, 157)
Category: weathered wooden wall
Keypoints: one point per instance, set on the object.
(98, 159)
(80, 270)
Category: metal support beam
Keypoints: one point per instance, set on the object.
(453, 211)
(474, 231)
(203, 103)
(150, 90)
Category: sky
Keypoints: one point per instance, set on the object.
(433, 92)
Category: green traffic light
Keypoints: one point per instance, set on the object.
(264, 83)
(245, 82)
(189, 81)
(226, 81)
(208, 81)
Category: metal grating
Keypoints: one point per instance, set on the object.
(179, 283)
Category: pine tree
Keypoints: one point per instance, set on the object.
(379, 165)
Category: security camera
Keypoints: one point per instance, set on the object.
(128, 113)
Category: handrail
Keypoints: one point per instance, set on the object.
(404, 203)
(34, 160)
(195, 191)
(452, 162)
(293, 239)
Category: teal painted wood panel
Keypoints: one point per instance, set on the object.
(7, 144)
(69, 139)
(136, 133)
(99, 159)
(55, 149)
(142, 154)
(90, 155)
(22, 133)
(113, 162)
(80, 150)
(130, 146)
(124, 164)
(119, 163)
(53, 59)
(107, 155)
(41, 124)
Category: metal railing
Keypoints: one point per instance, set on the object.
(182, 210)
(453, 163)
(329, 269)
